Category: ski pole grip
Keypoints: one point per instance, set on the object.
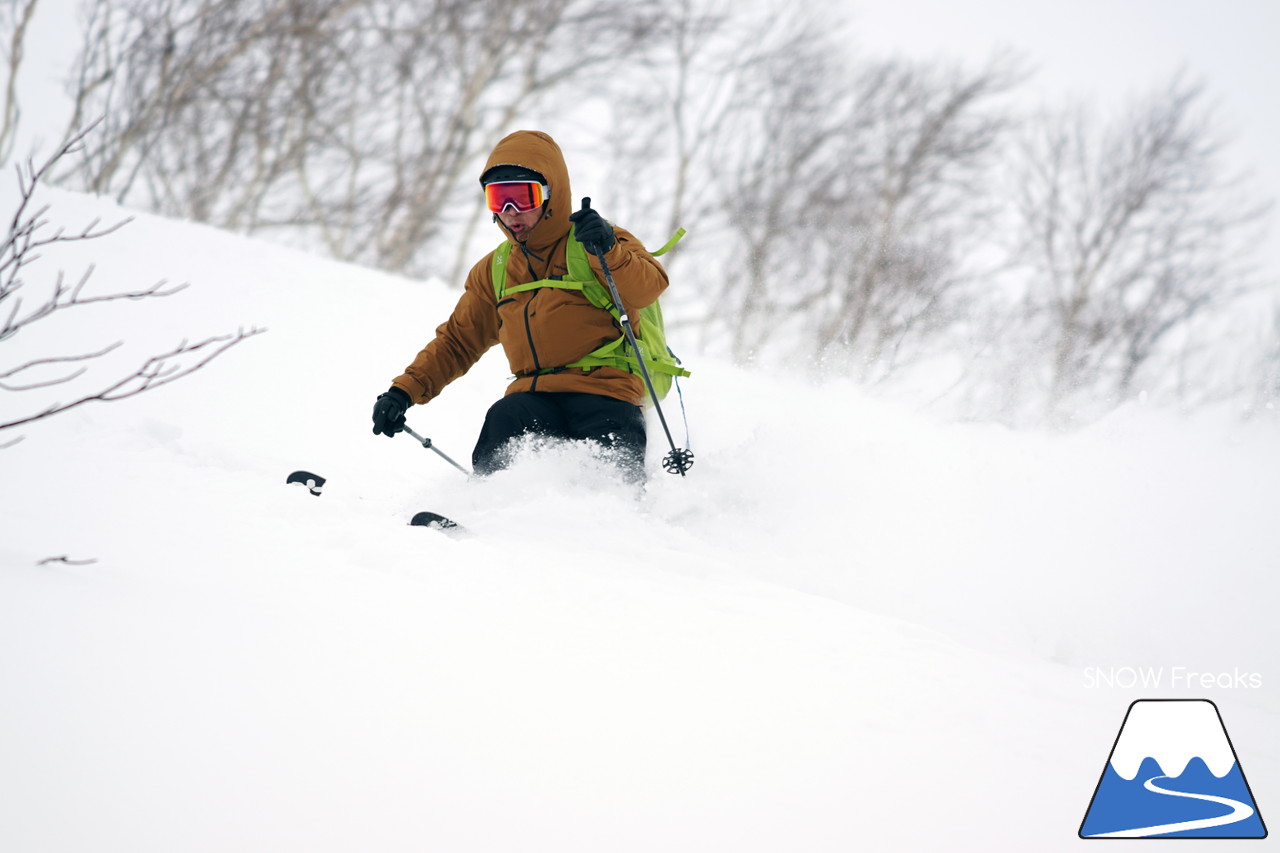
(591, 247)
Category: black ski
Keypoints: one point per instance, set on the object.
(314, 483)
(436, 520)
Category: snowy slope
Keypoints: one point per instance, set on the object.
(849, 628)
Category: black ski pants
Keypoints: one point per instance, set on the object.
(616, 424)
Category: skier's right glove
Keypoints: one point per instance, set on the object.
(388, 412)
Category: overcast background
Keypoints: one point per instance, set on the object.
(1104, 51)
(922, 596)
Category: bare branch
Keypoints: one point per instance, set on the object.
(156, 372)
(18, 250)
(41, 362)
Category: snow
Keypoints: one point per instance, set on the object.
(851, 627)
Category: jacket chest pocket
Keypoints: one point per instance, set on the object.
(506, 310)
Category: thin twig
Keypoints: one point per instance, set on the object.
(66, 561)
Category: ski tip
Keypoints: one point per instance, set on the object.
(434, 519)
(313, 482)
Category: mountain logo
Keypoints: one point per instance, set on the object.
(1173, 773)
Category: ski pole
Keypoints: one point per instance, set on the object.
(426, 442)
(679, 460)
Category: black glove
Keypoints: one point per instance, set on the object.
(591, 229)
(388, 412)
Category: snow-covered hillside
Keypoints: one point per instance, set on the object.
(850, 627)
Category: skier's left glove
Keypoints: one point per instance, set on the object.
(591, 229)
(388, 412)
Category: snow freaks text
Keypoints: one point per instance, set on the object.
(1171, 678)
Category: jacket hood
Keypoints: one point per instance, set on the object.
(535, 150)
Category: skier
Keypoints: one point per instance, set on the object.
(545, 330)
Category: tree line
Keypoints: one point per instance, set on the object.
(876, 218)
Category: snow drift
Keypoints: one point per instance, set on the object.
(850, 627)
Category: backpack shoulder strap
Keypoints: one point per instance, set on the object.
(575, 259)
(579, 267)
(498, 269)
(580, 275)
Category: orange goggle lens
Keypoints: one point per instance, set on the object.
(520, 196)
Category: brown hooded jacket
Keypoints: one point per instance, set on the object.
(545, 328)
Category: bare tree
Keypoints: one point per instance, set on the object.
(17, 16)
(205, 102)
(27, 236)
(664, 135)
(857, 189)
(905, 209)
(1130, 233)
(771, 164)
(347, 123)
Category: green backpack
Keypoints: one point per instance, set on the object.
(662, 364)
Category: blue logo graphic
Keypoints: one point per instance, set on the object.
(1173, 773)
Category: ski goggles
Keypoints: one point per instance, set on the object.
(520, 196)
